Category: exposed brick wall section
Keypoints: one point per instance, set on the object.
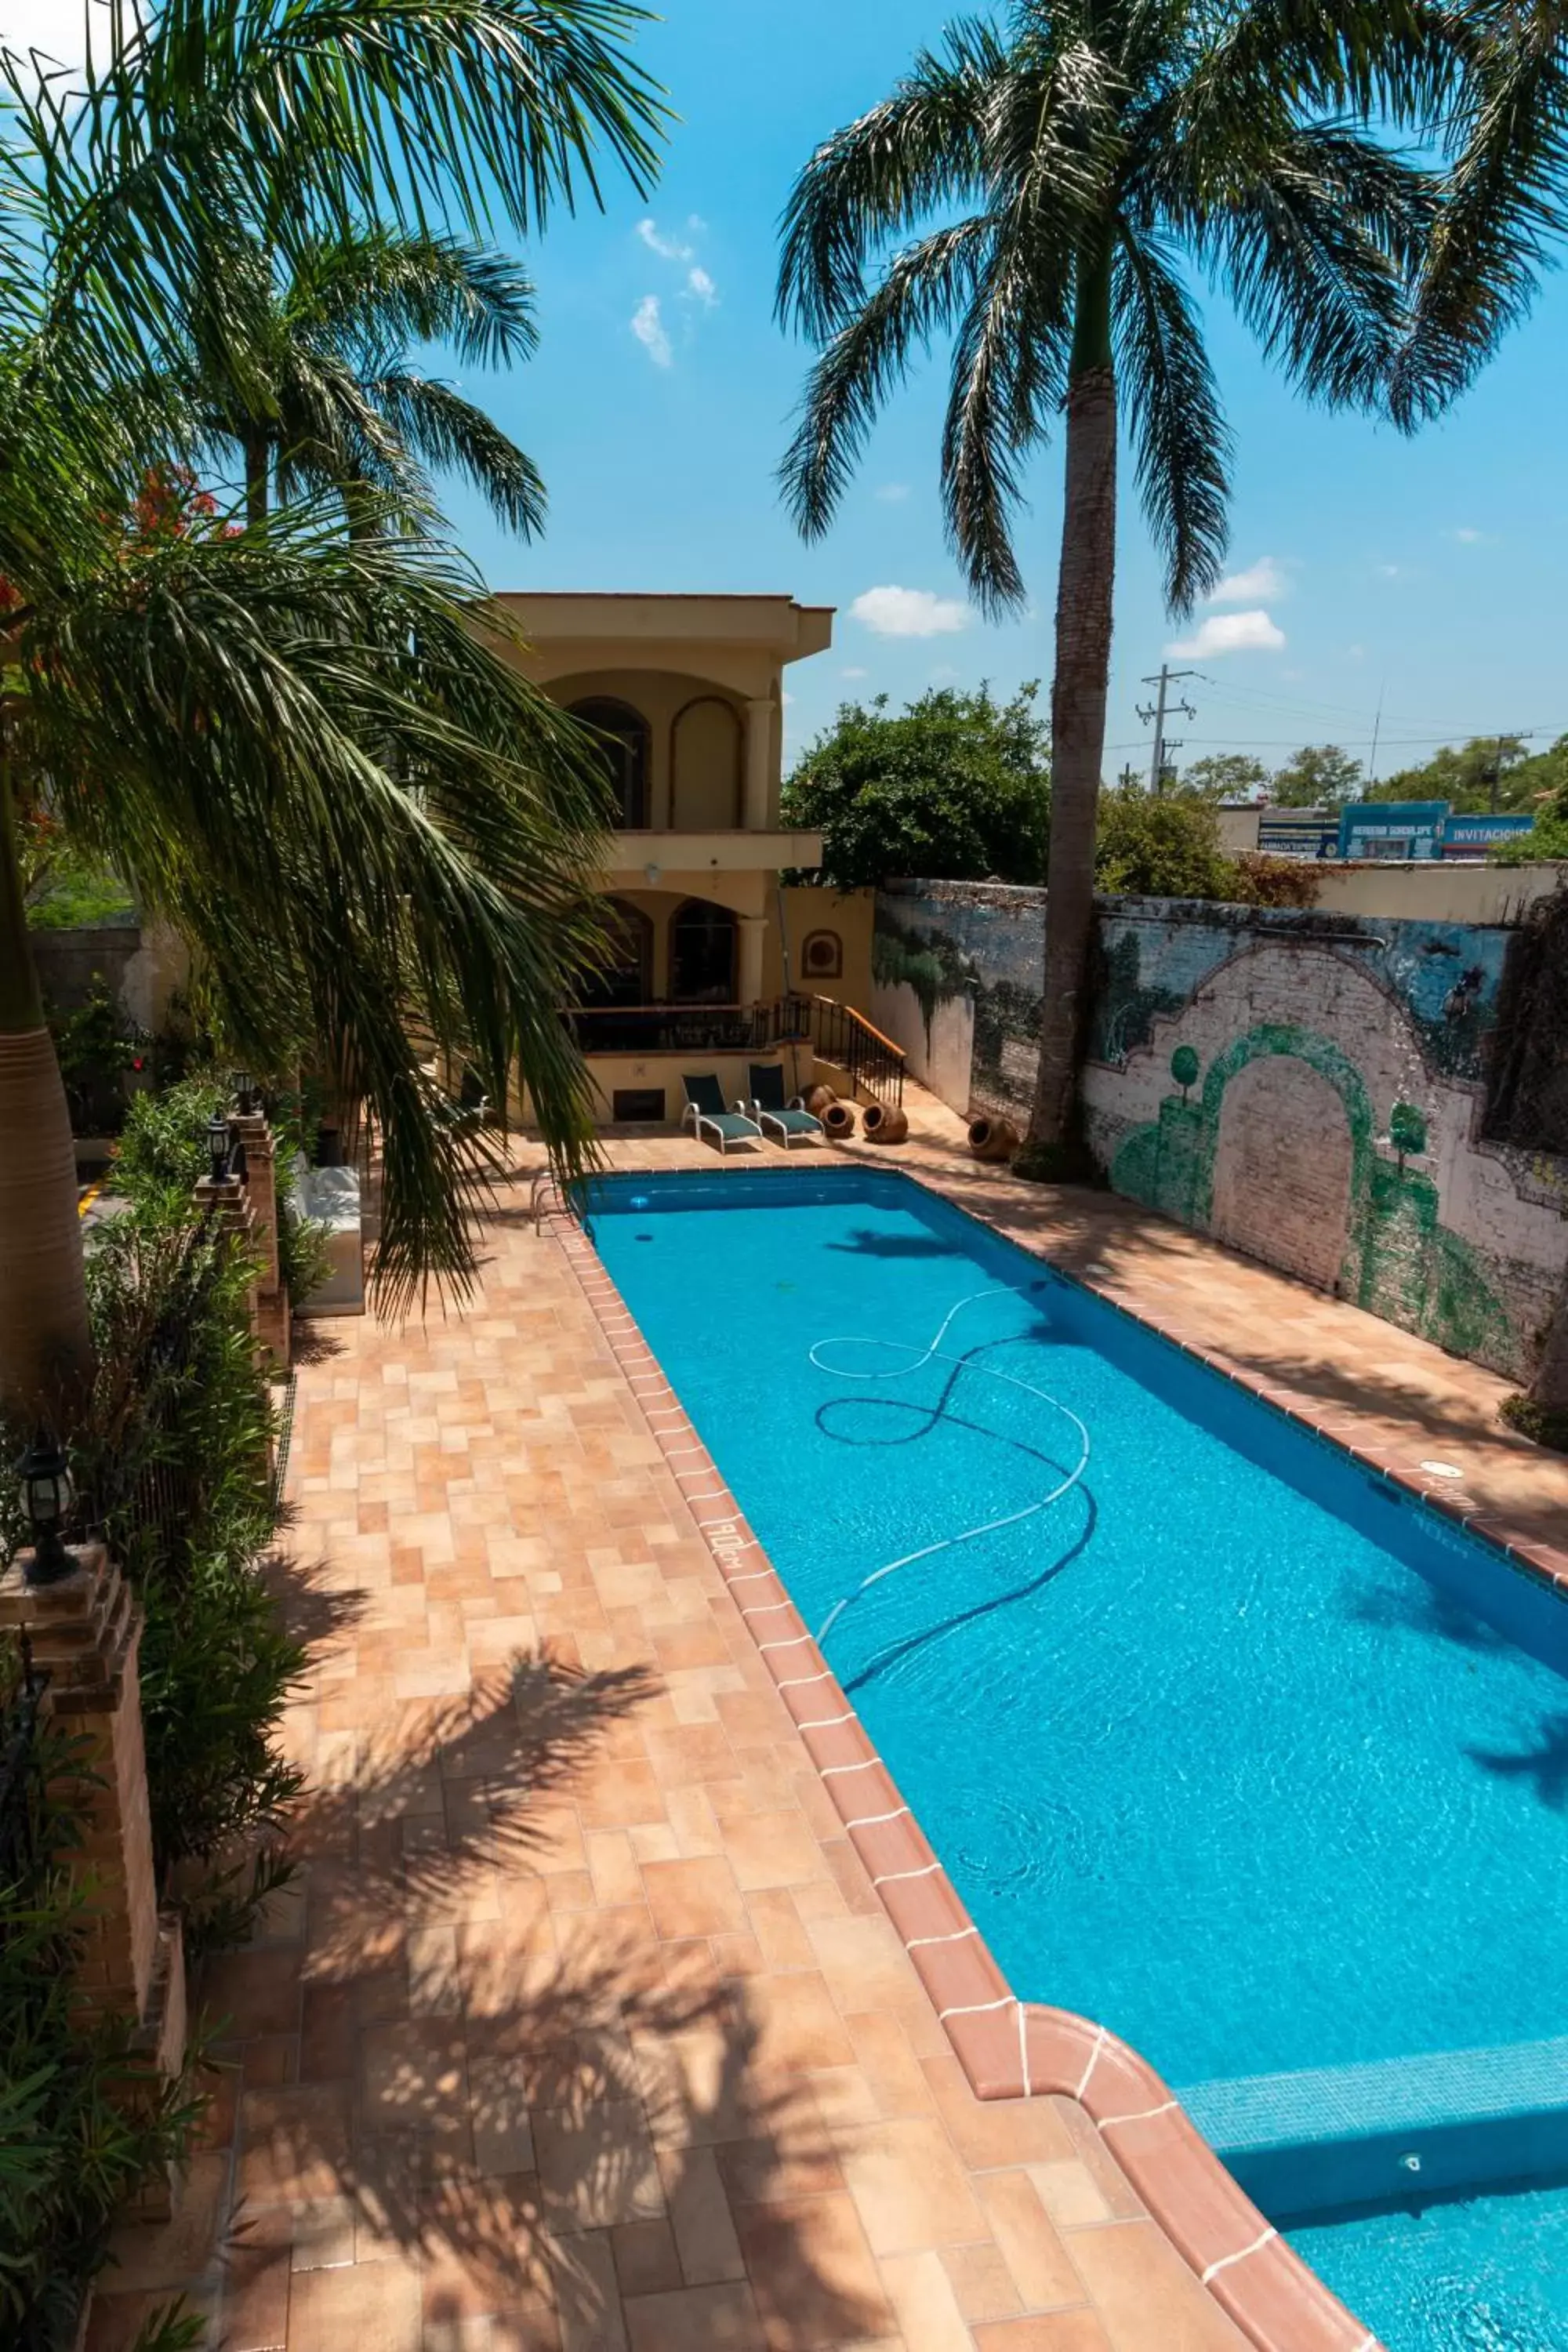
(1282, 1171)
(85, 1633)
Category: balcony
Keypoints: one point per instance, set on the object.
(633, 854)
(836, 1033)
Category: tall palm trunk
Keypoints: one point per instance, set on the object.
(1079, 692)
(46, 1351)
(257, 477)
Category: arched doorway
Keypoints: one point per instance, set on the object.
(626, 976)
(623, 743)
(703, 954)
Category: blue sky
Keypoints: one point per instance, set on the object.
(1430, 574)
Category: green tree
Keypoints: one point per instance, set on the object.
(1319, 775)
(1225, 776)
(1045, 189)
(955, 785)
(371, 829)
(1489, 770)
(1161, 845)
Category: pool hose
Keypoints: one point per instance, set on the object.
(935, 1354)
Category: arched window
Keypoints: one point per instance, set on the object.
(623, 735)
(703, 954)
(706, 747)
(626, 975)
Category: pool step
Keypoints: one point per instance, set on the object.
(1307, 2143)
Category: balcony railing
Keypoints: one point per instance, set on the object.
(836, 1032)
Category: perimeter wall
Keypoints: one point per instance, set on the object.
(1307, 1086)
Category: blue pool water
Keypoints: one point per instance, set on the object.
(1486, 2273)
(1230, 1748)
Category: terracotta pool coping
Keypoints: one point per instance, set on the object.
(1006, 2047)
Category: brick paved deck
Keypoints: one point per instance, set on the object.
(583, 2029)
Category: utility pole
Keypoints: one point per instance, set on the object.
(1494, 773)
(1167, 678)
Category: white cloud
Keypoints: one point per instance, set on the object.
(893, 494)
(700, 287)
(854, 672)
(1232, 633)
(909, 613)
(669, 248)
(648, 328)
(1467, 536)
(1266, 577)
(57, 30)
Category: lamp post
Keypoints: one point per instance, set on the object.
(218, 1147)
(47, 1497)
(246, 1092)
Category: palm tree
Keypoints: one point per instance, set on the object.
(325, 398)
(1077, 166)
(297, 746)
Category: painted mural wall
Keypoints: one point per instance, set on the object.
(1306, 1087)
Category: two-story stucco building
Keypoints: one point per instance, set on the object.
(715, 965)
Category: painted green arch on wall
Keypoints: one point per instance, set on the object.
(1320, 1053)
(1399, 1259)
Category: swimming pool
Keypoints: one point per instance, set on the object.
(1230, 1747)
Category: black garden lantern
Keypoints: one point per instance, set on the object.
(218, 1147)
(247, 1098)
(47, 1497)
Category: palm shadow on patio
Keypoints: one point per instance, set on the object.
(479, 2109)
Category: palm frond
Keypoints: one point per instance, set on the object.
(305, 745)
(284, 119)
(1307, 229)
(1009, 374)
(381, 287)
(879, 179)
(454, 435)
(1179, 433)
(923, 292)
(1502, 203)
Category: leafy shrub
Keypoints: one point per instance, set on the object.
(82, 2125)
(163, 1150)
(1167, 845)
(95, 1046)
(173, 1463)
(1547, 1425)
(303, 1262)
(1275, 881)
(1161, 845)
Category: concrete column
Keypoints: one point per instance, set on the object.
(261, 1192)
(749, 979)
(759, 764)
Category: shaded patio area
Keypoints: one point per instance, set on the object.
(583, 2029)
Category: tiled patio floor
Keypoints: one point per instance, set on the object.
(582, 2028)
